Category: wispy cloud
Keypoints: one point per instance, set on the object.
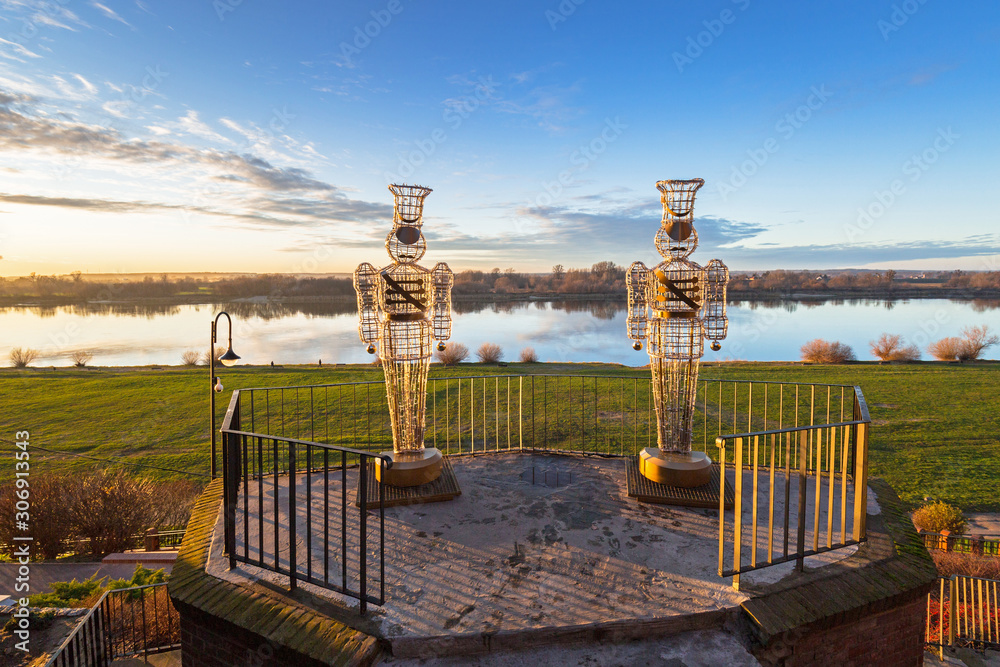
(110, 13)
(246, 187)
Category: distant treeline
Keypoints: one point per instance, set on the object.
(603, 278)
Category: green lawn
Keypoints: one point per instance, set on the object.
(934, 425)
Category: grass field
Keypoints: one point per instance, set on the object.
(935, 426)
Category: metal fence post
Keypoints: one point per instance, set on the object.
(800, 541)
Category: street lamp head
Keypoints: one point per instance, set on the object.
(218, 385)
(229, 358)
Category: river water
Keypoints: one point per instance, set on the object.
(126, 335)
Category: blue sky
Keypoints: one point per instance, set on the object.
(260, 136)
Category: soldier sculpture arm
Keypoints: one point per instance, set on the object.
(714, 318)
(365, 284)
(637, 281)
(441, 301)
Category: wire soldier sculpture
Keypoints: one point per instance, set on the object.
(404, 307)
(675, 307)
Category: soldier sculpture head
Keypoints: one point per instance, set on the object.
(405, 242)
(677, 237)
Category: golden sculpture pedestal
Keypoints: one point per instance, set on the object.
(411, 468)
(684, 469)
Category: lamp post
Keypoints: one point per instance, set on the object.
(227, 359)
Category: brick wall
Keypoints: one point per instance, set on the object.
(890, 638)
(208, 641)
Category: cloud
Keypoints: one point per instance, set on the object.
(110, 13)
(19, 49)
(189, 123)
(220, 183)
(547, 105)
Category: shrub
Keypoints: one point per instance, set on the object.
(206, 356)
(80, 358)
(947, 349)
(977, 339)
(110, 507)
(971, 565)
(21, 357)
(68, 593)
(453, 353)
(938, 516)
(889, 347)
(528, 356)
(489, 353)
(50, 526)
(172, 503)
(819, 351)
(190, 358)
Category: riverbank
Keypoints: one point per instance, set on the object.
(934, 425)
(347, 302)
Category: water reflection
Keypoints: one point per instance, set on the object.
(569, 330)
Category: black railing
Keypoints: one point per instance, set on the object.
(125, 623)
(605, 415)
(296, 432)
(279, 491)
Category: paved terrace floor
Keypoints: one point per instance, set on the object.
(509, 555)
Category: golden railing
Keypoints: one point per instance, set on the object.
(798, 491)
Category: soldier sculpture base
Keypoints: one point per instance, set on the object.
(684, 469)
(411, 468)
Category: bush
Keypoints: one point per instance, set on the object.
(50, 527)
(489, 353)
(206, 356)
(889, 347)
(453, 353)
(37, 620)
(68, 593)
(970, 565)
(109, 507)
(190, 358)
(80, 358)
(947, 349)
(528, 356)
(939, 516)
(977, 339)
(172, 503)
(21, 357)
(819, 351)
(969, 348)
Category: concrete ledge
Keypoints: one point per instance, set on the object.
(141, 558)
(613, 632)
(263, 618)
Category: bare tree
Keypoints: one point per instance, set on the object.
(80, 358)
(452, 354)
(489, 353)
(890, 347)
(190, 358)
(21, 357)
(528, 356)
(819, 351)
(977, 339)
